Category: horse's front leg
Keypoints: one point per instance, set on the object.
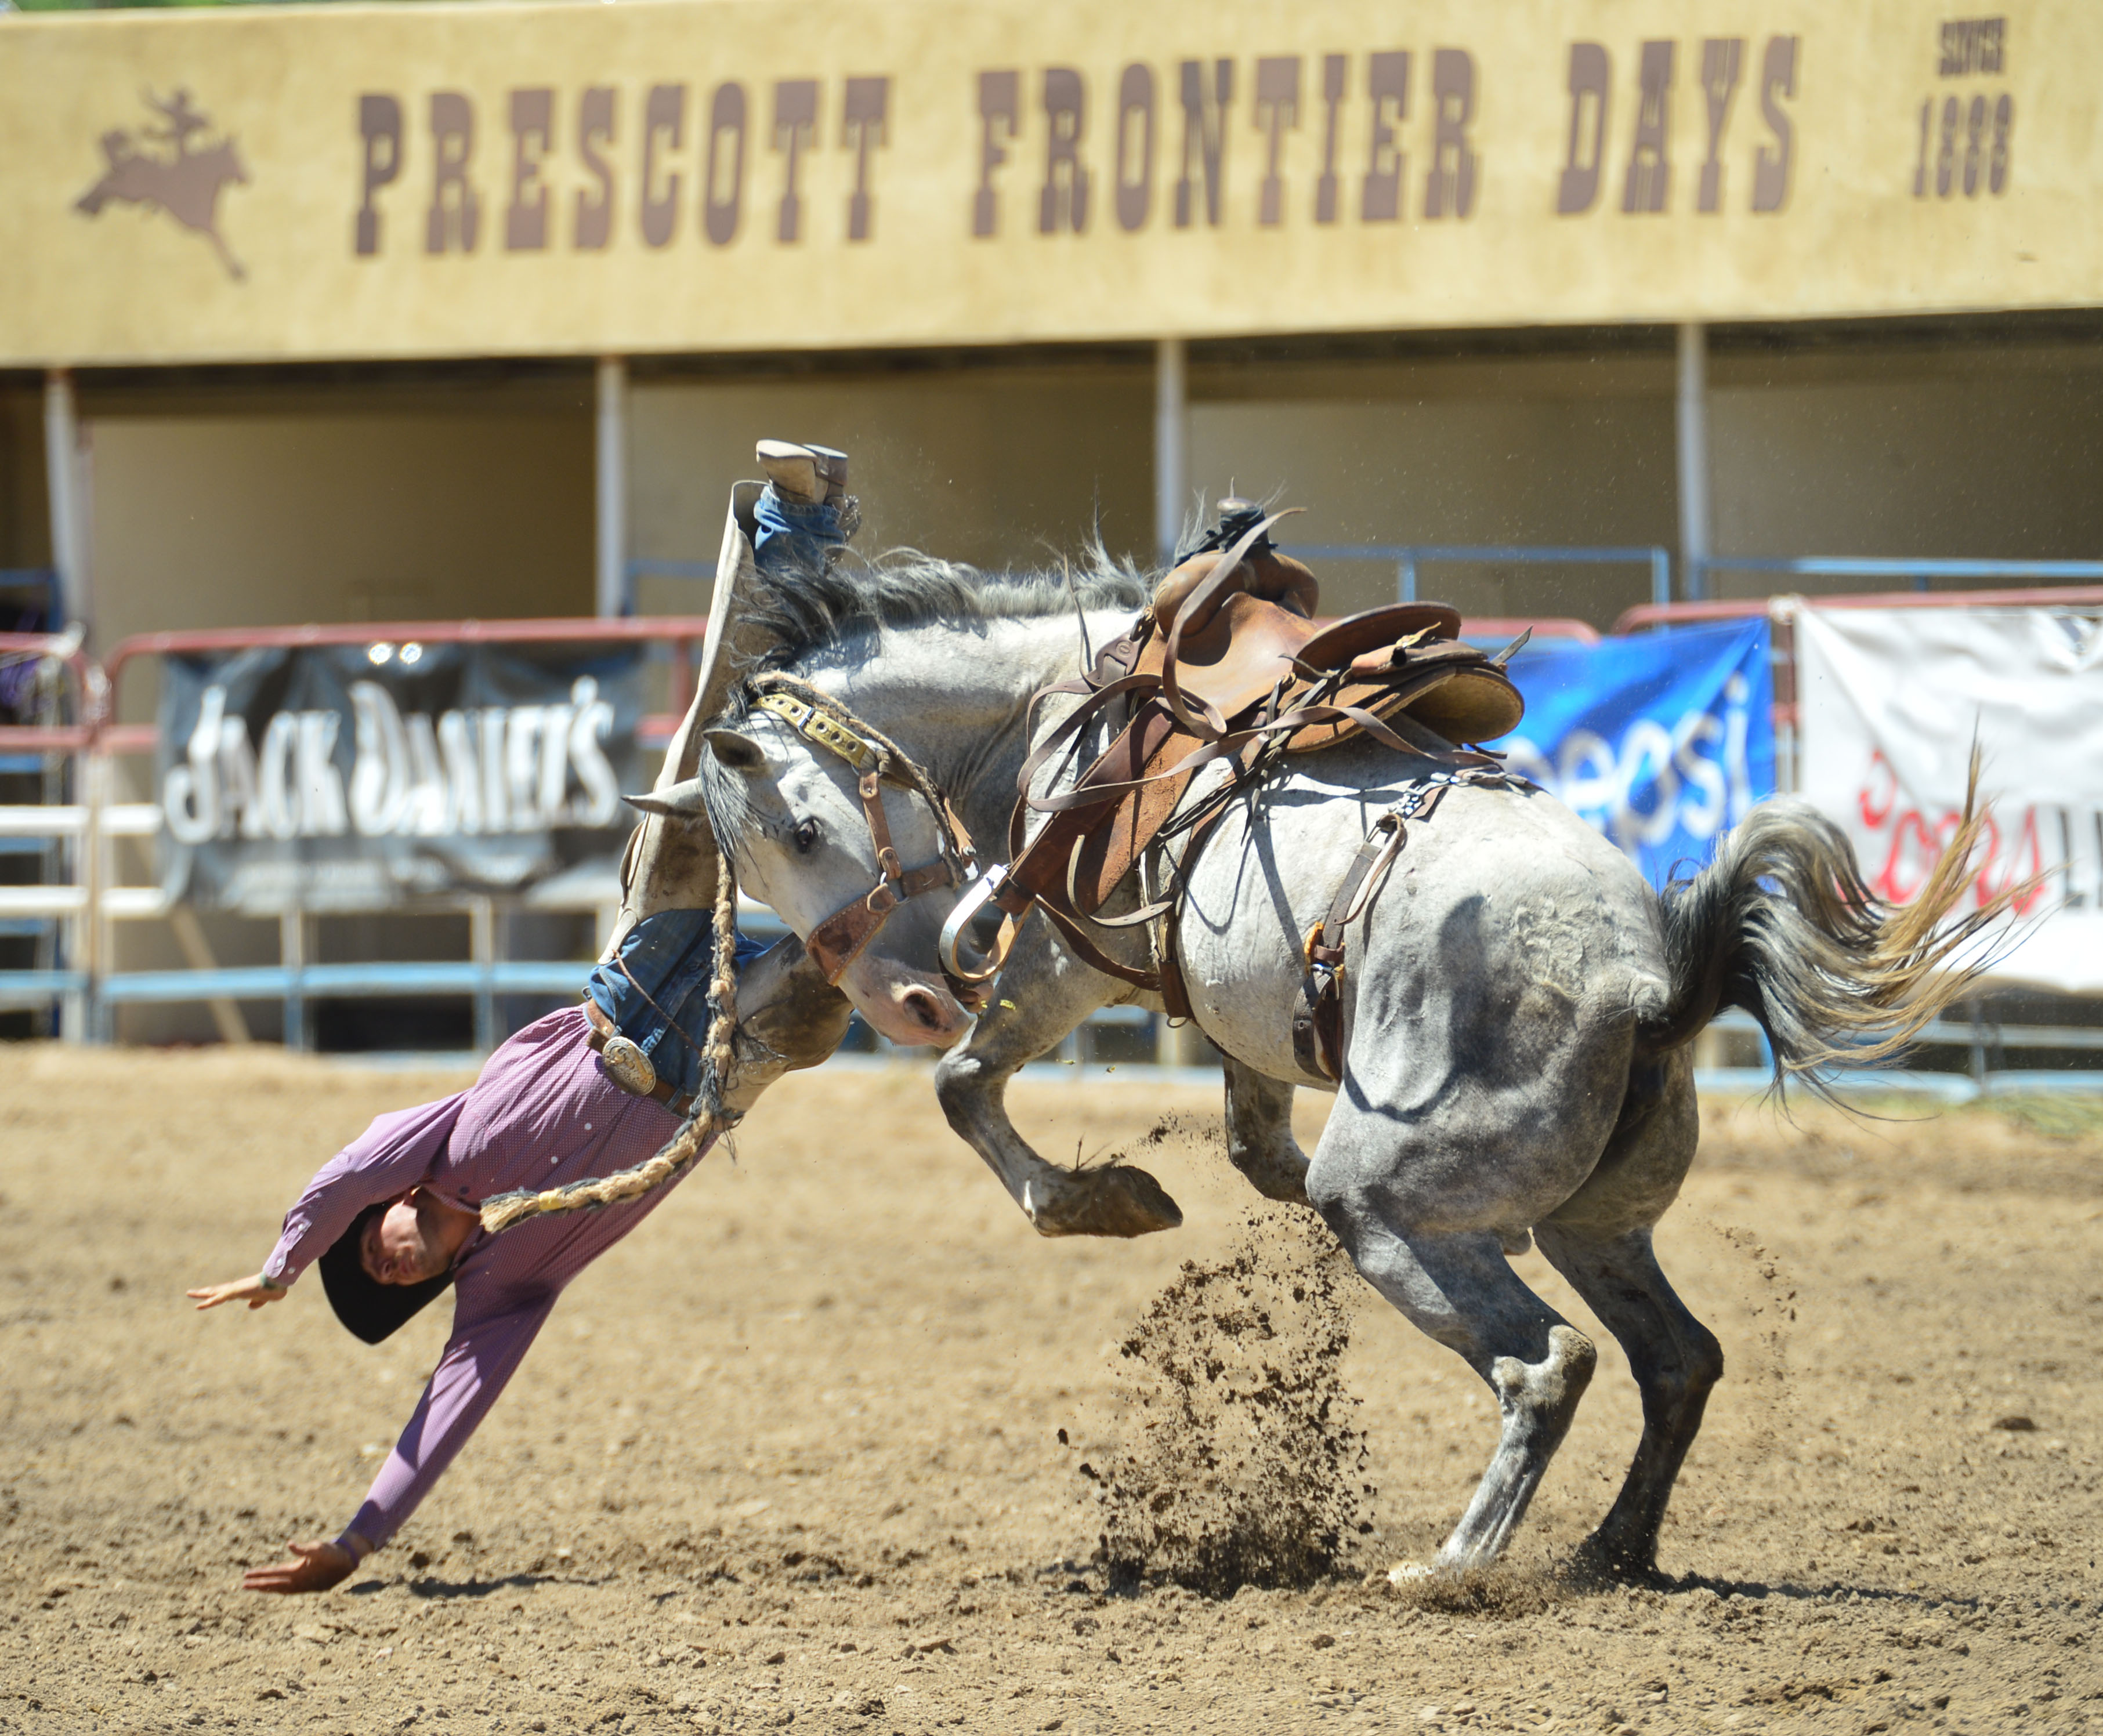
(1042, 994)
(1260, 1141)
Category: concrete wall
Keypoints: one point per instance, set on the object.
(302, 507)
(1512, 450)
(1910, 449)
(1860, 441)
(999, 466)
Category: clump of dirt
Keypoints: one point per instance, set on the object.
(1199, 1133)
(1246, 1467)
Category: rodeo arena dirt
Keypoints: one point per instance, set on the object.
(838, 1443)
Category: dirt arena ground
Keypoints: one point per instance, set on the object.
(790, 1456)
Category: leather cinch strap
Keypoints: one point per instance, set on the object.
(1318, 1021)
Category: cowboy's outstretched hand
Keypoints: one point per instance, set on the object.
(255, 1291)
(315, 1567)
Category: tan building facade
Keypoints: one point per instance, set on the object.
(371, 314)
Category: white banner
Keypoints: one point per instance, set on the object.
(1891, 699)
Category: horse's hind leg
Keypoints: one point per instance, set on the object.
(1600, 1241)
(1455, 1285)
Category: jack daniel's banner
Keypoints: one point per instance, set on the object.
(355, 777)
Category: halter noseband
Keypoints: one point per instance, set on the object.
(836, 942)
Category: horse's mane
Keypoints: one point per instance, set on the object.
(806, 609)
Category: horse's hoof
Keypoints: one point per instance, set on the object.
(1602, 1561)
(1116, 1199)
(1286, 1184)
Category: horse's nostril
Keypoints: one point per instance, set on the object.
(924, 1006)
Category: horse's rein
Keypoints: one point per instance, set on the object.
(836, 942)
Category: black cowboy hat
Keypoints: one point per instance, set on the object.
(374, 1311)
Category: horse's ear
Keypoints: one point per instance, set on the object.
(680, 802)
(739, 752)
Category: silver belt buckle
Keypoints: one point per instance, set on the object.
(629, 1066)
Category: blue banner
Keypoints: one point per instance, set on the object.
(1661, 740)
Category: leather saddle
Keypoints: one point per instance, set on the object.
(1230, 663)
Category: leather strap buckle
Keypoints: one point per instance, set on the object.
(813, 725)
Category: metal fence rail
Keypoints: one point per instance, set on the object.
(1921, 569)
(1408, 556)
(52, 917)
(1979, 1037)
(89, 897)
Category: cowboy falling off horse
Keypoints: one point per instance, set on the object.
(1285, 831)
(577, 1127)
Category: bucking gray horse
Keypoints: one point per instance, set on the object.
(1519, 1008)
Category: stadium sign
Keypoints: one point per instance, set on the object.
(577, 179)
(353, 777)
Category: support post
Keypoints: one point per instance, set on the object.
(1171, 444)
(65, 493)
(482, 949)
(94, 935)
(292, 955)
(1693, 427)
(612, 589)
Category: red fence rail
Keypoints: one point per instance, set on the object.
(681, 632)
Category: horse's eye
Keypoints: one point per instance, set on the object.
(805, 836)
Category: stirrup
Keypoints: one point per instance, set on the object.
(954, 951)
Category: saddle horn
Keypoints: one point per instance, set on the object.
(1198, 608)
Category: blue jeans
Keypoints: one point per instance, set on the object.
(670, 957)
(793, 534)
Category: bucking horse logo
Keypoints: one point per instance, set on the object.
(172, 172)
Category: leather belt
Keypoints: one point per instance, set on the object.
(681, 1104)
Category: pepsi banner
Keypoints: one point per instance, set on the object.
(358, 777)
(1661, 740)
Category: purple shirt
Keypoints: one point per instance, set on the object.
(544, 1112)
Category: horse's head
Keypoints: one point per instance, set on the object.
(806, 808)
(225, 163)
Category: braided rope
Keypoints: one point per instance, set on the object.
(707, 1118)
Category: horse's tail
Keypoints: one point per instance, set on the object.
(1782, 925)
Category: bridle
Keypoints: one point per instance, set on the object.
(836, 942)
